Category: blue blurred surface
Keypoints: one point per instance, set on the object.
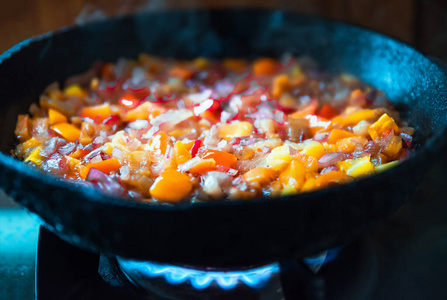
(18, 244)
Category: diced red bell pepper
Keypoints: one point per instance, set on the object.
(195, 147)
(327, 112)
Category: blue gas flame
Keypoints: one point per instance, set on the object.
(255, 278)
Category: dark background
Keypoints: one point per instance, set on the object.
(422, 23)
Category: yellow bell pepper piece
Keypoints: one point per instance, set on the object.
(355, 118)
(181, 154)
(394, 147)
(279, 157)
(35, 157)
(201, 63)
(288, 190)
(312, 148)
(56, 117)
(74, 90)
(363, 166)
(382, 125)
(234, 130)
(309, 185)
(32, 142)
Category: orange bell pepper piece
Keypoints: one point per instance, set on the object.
(345, 145)
(264, 66)
(357, 98)
(203, 166)
(310, 109)
(234, 64)
(181, 72)
(330, 177)
(79, 153)
(309, 162)
(159, 142)
(56, 117)
(140, 112)
(171, 186)
(181, 154)
(106, 166)
(293, 175)
(97, 113)
(261, 175)
(281, 84)
(338, 134)
(67, 131)
(22, 130)
(220, 157)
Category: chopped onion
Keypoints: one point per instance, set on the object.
(244, 166)
(51, 146)
(118, 154)
(124, 172)
(321, 136)
(332, 158)
(266, 149)
(94, 153)
(138, 124)
(172, 117)
(67, 149)
(201, 96)
(213, 182)
(133, 144)
(203, 106)
(96, 159)
(56, 164)
(104, 182)
(247, 141)
(189, 164)
(328, 169)
(224, 87)
(406, 138)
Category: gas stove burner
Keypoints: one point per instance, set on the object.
(166, 281)
(201, 279)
